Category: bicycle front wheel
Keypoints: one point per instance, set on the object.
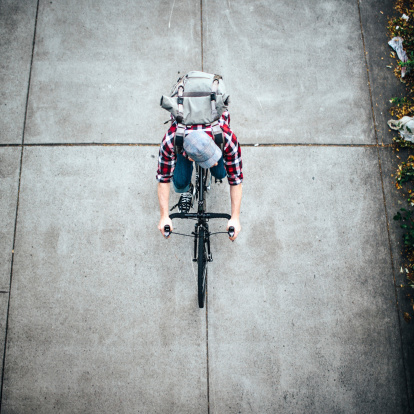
(202, 267)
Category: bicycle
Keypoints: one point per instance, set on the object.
(201, 234)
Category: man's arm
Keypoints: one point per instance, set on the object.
(166, 164)
(235, 196)
(233, 164)
(163, 198)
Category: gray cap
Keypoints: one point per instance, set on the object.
(201, 148)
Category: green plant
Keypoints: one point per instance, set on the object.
(407, 219)
(405, 172)
(409, 64)
(401, 101)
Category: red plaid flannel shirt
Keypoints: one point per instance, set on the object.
(232, 151)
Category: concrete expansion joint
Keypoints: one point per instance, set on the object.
(80, 144)
(17, 207)
(149, 144)
(318, 145)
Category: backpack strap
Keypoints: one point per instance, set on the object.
(179, 139)
(213, 96)
(215, 126)
(218, 135)
(180, 102)
(179, 133)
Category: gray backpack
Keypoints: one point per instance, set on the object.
(197, 98)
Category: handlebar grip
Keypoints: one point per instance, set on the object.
(167, 231)
(231, 231)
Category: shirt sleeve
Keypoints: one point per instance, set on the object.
(166, 156)
(232, 155)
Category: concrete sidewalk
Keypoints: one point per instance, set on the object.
(99, 314)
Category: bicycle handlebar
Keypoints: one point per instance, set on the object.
(202, 215)
(167, 229)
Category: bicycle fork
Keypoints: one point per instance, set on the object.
(206, 241)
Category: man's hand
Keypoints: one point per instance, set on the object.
(237, 227)
(164, 221)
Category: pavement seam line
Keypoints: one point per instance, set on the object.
(92, 144)
(208, 365)
(201, 35)
(206, 297)
(17, 209)
(385, 207)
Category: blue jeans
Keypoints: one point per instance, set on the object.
(184, 169)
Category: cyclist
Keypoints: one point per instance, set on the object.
(200, 147)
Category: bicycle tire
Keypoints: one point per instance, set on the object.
(202, 268)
